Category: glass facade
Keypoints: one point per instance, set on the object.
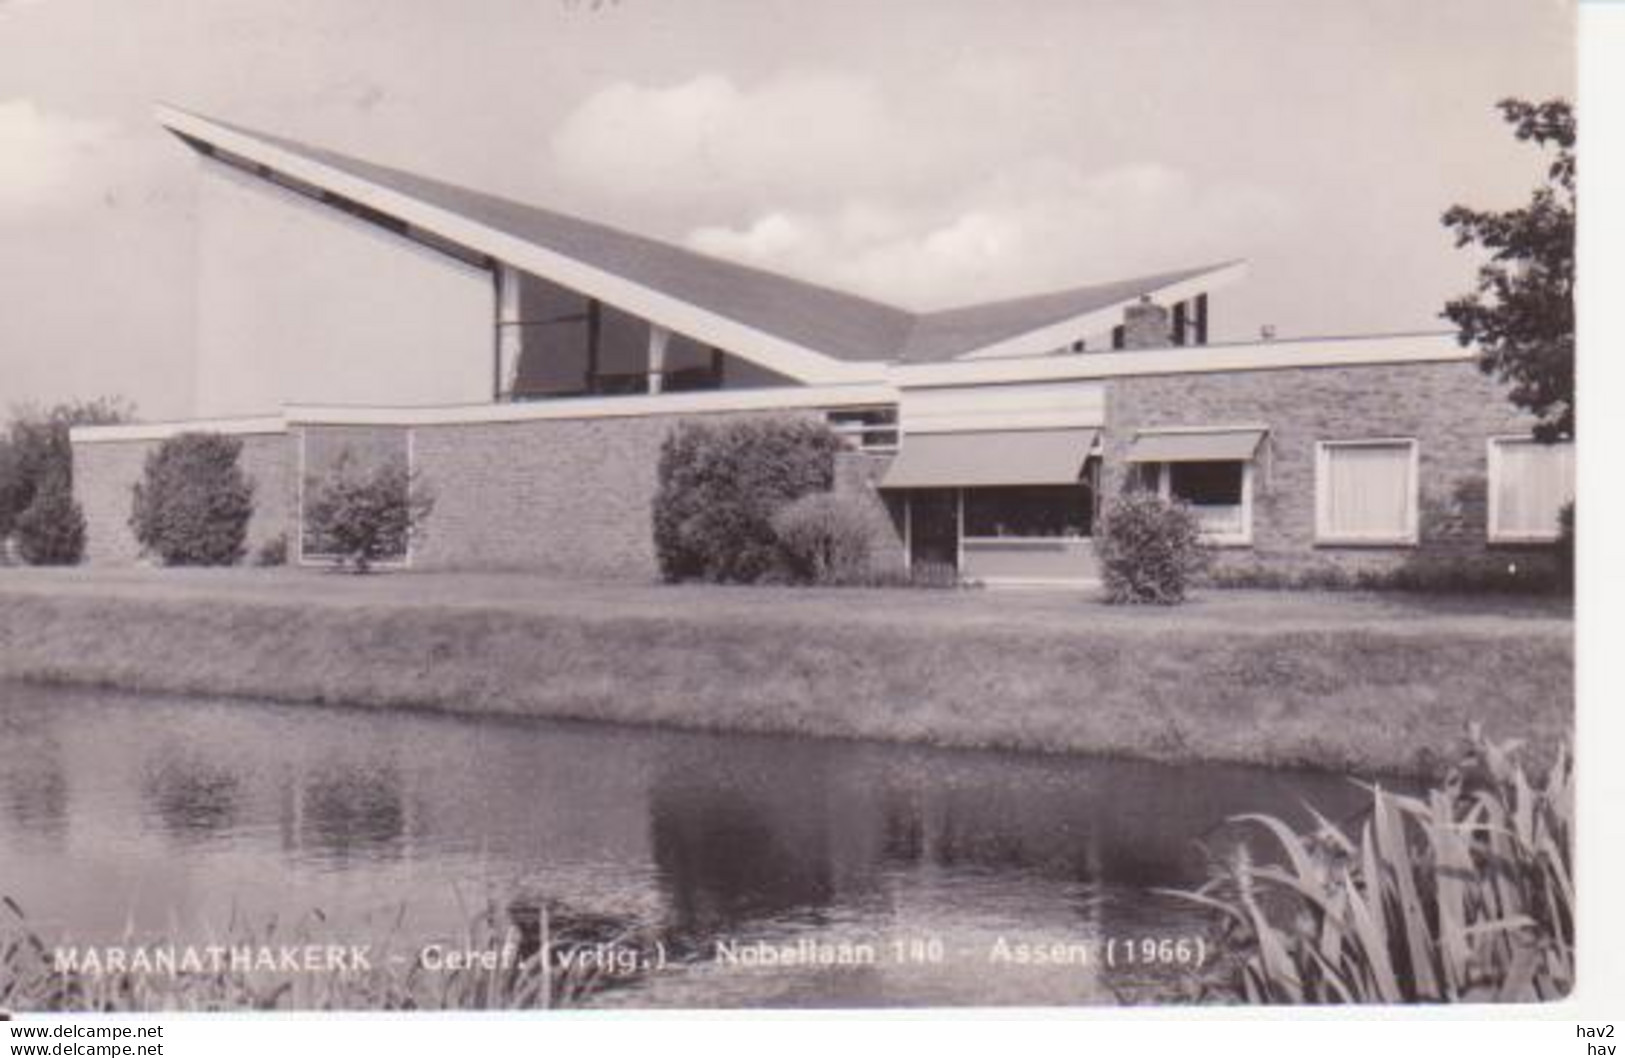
(567, 344)
(1029, 511)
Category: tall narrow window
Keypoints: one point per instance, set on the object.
(1530, 482)
(1366, 492)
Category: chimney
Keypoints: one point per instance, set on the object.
(1145, 325)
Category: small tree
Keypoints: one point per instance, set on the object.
(826, 538)
(1149, 549)
(192, 504)
(51, 532)
(720, 485)
(1521, 314)
(10, 489)
(365, 515)
(35, 450)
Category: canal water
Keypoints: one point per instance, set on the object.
(757, 862)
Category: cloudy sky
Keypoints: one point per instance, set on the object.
(924, 153)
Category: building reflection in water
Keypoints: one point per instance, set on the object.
(792, 831)
(346, 812)
(34, 791)
(192, 799)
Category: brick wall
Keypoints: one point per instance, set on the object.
(566, 496)
(574, 497)
(105, 474)
(1450, 408)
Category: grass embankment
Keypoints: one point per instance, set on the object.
(1363, 684)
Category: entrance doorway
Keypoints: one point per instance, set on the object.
(933, 528)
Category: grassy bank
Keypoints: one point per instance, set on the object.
(1368, 684)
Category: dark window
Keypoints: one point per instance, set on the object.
(1144, 477)
(1217, 484)
(623, 352)
(866, 427)
(555, 329)
(1029, 511)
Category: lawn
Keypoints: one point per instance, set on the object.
(1350, 681)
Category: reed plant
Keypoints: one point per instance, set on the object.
(1462, 894)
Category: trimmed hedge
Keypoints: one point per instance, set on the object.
(192, 504)
(721, 484)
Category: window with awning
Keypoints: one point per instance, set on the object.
(1195, 446)
(1209, 470)
(991, 458)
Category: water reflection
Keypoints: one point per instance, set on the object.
(193, 799)
(725, 856)
(180, 815)
(343, 814)
(34, 792)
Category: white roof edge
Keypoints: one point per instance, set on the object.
(162, 431)
(1190, 359)
(1058, 335)
(770, 351)
(786, 398)
(1232, 427)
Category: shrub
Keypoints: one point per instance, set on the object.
(364, 515)
(826, 538)
(1149, 549)
(1462, 894)
(192, 504)
(720, 485)
(51, 532)
(1420, 574)
(11, 488)
(274, 552)
(1465, 575)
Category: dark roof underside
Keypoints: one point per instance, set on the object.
(952, 332)
(837, 324)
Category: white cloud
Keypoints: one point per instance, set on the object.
(708, 143)
(824, 176)
(1028, 227)
(42, 154)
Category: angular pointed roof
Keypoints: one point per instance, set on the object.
(789, 324)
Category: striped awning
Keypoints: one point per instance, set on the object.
(1194, 446)
(991, 457)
